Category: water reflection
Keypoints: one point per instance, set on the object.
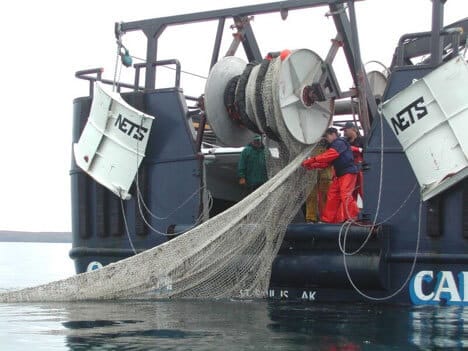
(230, 325)
(439, 327)
(170, 325)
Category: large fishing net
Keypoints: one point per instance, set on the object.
(228, 256)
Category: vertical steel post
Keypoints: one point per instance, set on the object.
(437, 25)
(217, 44)
(152, 34)
(361, 81)
(250, 44)
(349, 36)
(200, 131)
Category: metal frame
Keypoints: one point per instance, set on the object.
(347, 34)
(153, 28)
(418, 44)
(347, 37)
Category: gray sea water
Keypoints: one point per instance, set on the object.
(213, 325)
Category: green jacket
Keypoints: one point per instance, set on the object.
(252, 165)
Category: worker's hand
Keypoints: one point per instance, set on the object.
(311, 163)
(308, 162)
(319, 165)
(356, 149)
(242, 181)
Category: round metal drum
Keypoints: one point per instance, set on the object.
(377, 82)
(228, 132)
(305, 123)
(250, 91)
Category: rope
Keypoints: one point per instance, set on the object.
(347, 225)
(172, 68)
(183, 203)
(212, 145)
(413, 265)
(350, 222)
(119, 47)
(140, 201)
(197, 221)
(126, 224)
(377, 208)
(385, 68)
(114, 82)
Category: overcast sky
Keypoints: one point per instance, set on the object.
(44, 42)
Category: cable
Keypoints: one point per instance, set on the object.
(174, 210)
(377, 209)
(347, 225)
(413, 265)
(349, 222)
(197, 221)
(172, 68)
(140, 201)
(126, 224)
(386, 69)
(114, 82)
(186, 72)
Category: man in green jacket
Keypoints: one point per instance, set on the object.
(252, 168)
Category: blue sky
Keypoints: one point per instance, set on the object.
(45, 42)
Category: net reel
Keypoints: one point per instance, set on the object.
(243, 99)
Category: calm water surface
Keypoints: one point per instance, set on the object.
(213, 325)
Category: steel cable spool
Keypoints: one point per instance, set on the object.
(267, 97)
(229, 98)
(251, 108)
(241, 101)
(268, 92)
(260, 107)
(228, 131)
(232, 252)
(305, 121)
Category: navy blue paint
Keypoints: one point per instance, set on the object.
(164, 185)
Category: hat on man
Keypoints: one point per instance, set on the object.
(331, 130)
(257, 138)
(349, 125)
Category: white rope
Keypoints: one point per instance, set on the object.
(172, 68)
(386, 69)
(119, 46)
(140, 196)
(140, 201)
(352, 222)
(115, 81)
(212, 145)
(127, 231)
(197, 221)
(413, 265)
(347, 225)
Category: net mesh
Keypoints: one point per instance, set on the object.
(228, 256)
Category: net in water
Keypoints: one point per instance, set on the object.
(228, 256)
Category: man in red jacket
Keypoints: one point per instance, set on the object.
(357, 143)
(341, 205)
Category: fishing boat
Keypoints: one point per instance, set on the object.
(410, 243)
